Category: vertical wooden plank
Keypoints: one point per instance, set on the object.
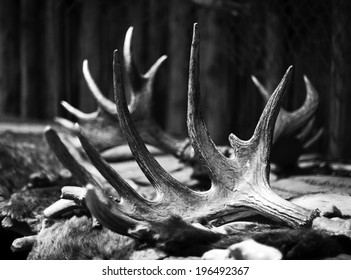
(274, 47)
(9, 57)
(90, 48)
(180, 33)
(293, 54)
(214, 70)
(72, 69)
(114, 24)
(157, 46)
(30, 58)
(138, 17)
(340, 97)
(317, 66)
(53, 86)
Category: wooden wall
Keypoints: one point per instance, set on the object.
(43, 44)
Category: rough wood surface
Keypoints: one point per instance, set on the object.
(9, 58)
(340, 101)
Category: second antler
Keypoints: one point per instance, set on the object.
(102, 126)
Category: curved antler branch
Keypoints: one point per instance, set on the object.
(141, 85)
(108, 212)
(135, 80)
(66, 158)
(301, 116)
(203, 145)
(75, 112)
(289, 123)
(116, 181)
(129, 198)
(162, 181)
(262, 137)
(265, 127)
(102, 101)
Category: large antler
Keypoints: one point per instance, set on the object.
(239, 187)
(102, 127)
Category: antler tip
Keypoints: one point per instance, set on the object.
(74, 111)
(163, 58)
(116, 59)
(127, 47)
(287, 76)
(77, 127)
(48, 129)
(130, 30)
(290, 68)
(85, 65)
(66, 106)
(195, 34)
(254, 79)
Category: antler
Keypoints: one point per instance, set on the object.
(239, 186)
(103, 117)
(102, 127)
(289, 123)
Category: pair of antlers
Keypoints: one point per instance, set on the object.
(240, 185)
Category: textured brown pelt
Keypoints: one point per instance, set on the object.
(76, 239)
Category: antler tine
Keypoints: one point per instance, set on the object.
(102, 101)
(288, 122)
(130, 65)
(203, 145)
(261, 88)
(135, 79)
(297, 118)
(265, 127)
(65, 123)
(67, 159)
(75, 112)
(108, 212)
(150, 75)
(281, 126)
(116, 181)
(262, 137)
(157, 176)
(141, 85)
(59, 207)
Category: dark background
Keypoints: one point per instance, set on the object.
(43, 44)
